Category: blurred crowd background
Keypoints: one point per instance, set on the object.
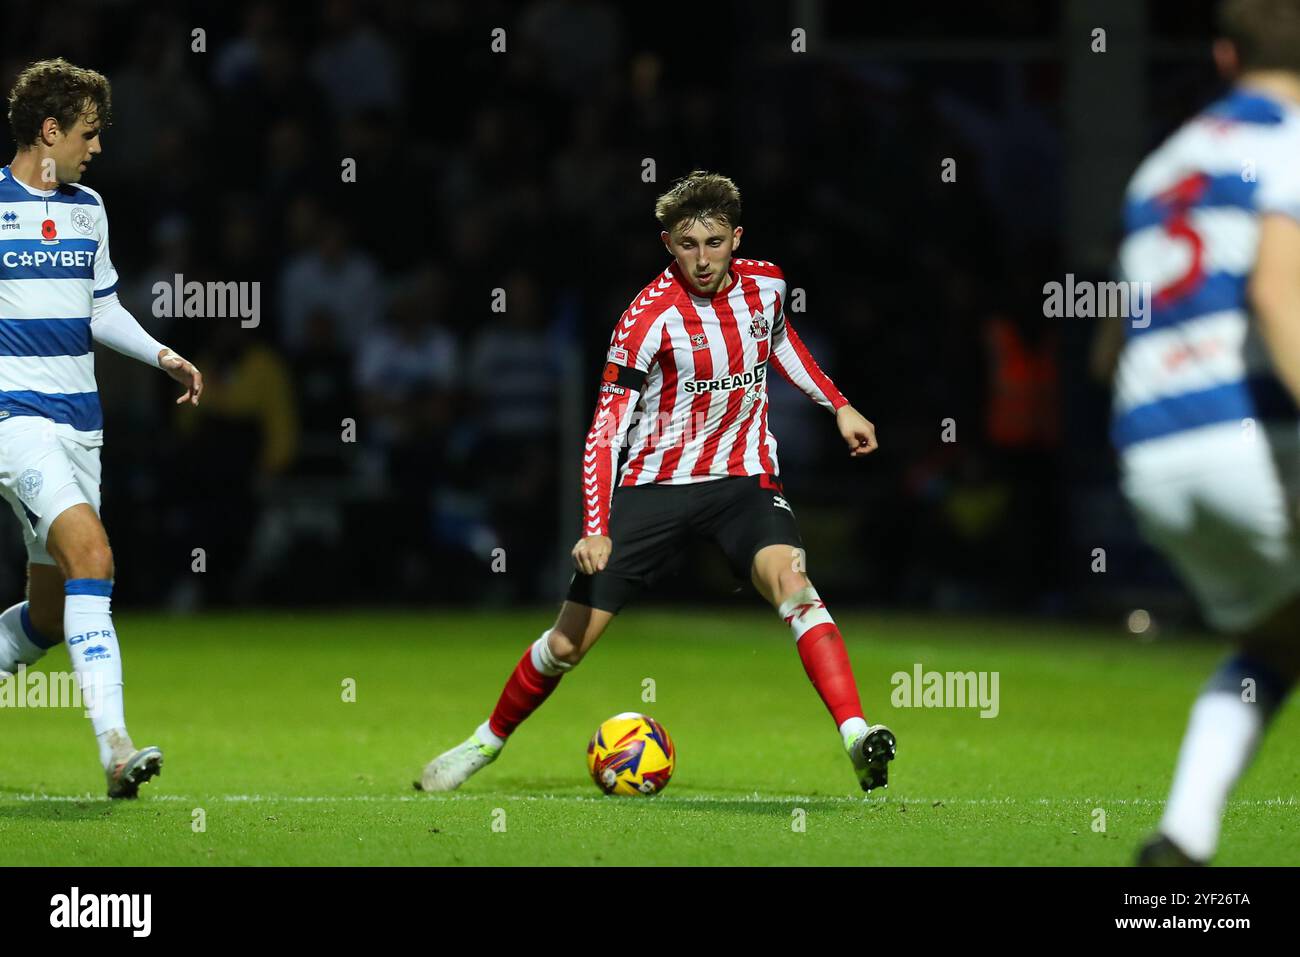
(522, 170)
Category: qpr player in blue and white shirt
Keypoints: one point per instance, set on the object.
(1207, 418)
(58, 297)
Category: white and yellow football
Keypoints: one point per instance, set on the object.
(631, 753)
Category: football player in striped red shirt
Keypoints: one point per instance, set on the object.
(683, 391)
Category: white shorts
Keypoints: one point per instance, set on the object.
(1221, 503)
(43, 473)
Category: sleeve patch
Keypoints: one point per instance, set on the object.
(624, 376)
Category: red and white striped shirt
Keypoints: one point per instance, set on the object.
(699, 368)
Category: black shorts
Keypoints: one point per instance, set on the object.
(651, 524)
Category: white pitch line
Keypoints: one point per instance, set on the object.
(663, 799)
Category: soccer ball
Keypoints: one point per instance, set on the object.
(631, 754)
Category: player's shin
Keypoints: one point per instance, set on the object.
(1227, 722)
(531, 683)
(20, 643)
(825, 660)
(97, 661)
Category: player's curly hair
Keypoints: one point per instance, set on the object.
(699, 195)
(59, 89)
(1266, 33)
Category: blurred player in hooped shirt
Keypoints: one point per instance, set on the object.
(1206, 392)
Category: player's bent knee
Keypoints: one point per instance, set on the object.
(576, 629)
(790, 581)
(87, 557)
(89, 561)
(787, 583)
(78, 544)
(564, 647)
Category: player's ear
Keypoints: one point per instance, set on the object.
(667, 241)
(735, 238)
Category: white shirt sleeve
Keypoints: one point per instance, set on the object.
(105, 274)
(113, 325)
(110, 322)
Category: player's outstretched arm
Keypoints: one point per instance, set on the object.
(112, 324)
(609, 426)
(632, 352)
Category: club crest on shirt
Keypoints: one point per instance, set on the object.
(759, 326)
(698, 341)
(82, 221)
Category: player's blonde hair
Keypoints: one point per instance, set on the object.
(1266, 33)
(699, 195)
(59, 89)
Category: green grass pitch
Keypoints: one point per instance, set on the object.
(249, 710)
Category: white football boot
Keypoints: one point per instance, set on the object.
(871, 753)
(453, 768)
(126, 776)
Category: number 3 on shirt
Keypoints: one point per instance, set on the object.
(1179, 200)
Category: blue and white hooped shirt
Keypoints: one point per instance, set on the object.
(54, 264)
(1191, 224)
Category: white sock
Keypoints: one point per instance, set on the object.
(1220, 741)
(851, 729)
(803, 611)
(96, 660)
(16, 647)
(544, 659)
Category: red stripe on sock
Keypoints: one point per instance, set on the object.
(522, 695)
(821, 649)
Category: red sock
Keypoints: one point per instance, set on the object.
(522, 695)
(821, 649)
